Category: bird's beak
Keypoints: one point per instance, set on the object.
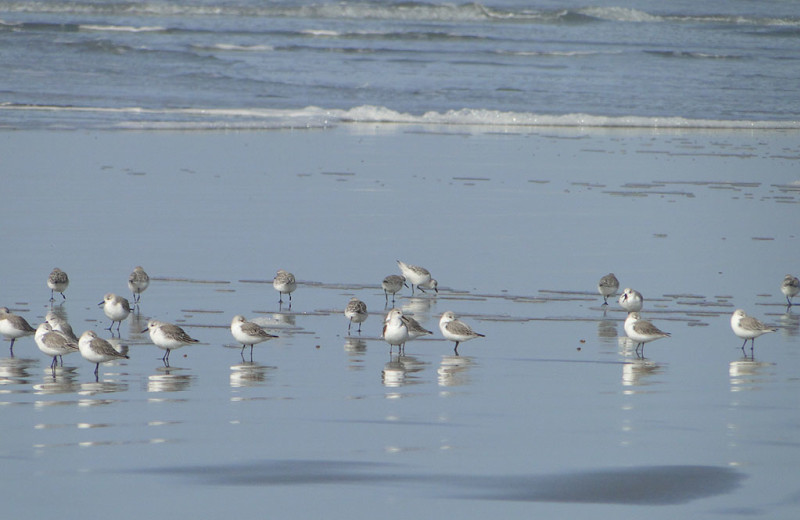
(145, 330)
(101, 303)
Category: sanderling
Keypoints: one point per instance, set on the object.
(356, 311)
(97, 350)
(748, 328)
(57, 282)
(284, 282)
(53, 343)
(392, 284)
(608, 286)
(138, 281)
(418, 276)
(415, 330)
(456, 330)
(59, 324)
(395, 330)
(248, 333)
(631, 300)
(642, 331)
(13, 326)
(167, 336)
(790, 287)
(116, 308)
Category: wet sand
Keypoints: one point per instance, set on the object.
(537, 417)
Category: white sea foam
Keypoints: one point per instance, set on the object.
(231, 47)
(316, 117)
(120, 28)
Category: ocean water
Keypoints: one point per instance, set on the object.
(551, 414)
(265, 64)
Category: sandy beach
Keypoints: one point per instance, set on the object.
(516, 224)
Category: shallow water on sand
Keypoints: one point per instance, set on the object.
(550, 413)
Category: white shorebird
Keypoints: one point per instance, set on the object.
(395, 330)
(748, 328)
(356, 311)
(392, 284)
(57, 282)
(642, 331)
(97, 350)
(248, 333)
(631, 300)
(116, 308)
(418, 276)
(790, 287)
(138, 282)
(415, 330)
(53, 343)
(608, 286)
(285, 283)
(456, 330)
(14, 327)
(59, 324)
(168, 337)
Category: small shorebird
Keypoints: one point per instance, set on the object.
(97, 350)
(116, 308)
(284, 283)
(395, 330)
(14, 327)
(790, 287)
(418, 276)
(59, 324)
(415, 330)
(456, 330)
(392, 284)
(168, 337)
(138, 282)
(53, 343)
(748, 328)
(248, 333)
(57, 282)
(356, 311)
(608, 286)
(631, 300)
(642, 331)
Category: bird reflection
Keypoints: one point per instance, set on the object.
(393, 373)
(418, 306)
(356, 349)
(401, 370)
(15, 371)
(249, 374)
(746, 374)
(62, 380)
(638, 372)
(137, 323)
(790, 323)
(169, 379)
(607, 330)
(102, 387)
(454, 370)
(281, 318)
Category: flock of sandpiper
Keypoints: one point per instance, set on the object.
(642, 331)
(55, 337)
